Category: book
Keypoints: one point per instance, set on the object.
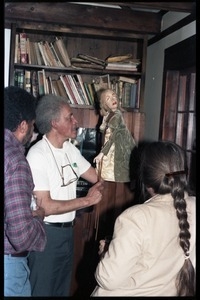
(40, 60)
(42, 52)
(127, 79)
(17, 49)
(118, 58)
(34, 84)
(133, 95)
(58, 62)
(74, 89)
(92, 59)
(27, 81)
(20, 78)
(61, 88)
(126, 94)
(28, 51)
(32, 54)
(137, 103)
(83, 88)
(79, 89)
(91, 92)
(41, 83)
(62, 52)
(77, 62)
(69, 90)
(50, 85)
(23, 50)
(122, 66)
(49, 54)
(55, 88)
(88, 93)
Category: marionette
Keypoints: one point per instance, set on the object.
(112, 162)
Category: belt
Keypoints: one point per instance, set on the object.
(66, 224)
(21, 254)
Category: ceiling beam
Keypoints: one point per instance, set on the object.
(85, 16)
(187, 7)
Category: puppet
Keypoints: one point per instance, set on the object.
(113, 160)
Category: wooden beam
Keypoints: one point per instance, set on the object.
(83, 16)
(187, 6)
(172, 28)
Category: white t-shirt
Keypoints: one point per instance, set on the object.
(48, 165)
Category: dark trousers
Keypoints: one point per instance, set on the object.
(51, 270)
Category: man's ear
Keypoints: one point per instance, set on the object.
(22, 127)
(21, 130)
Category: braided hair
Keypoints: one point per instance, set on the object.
(163, 168)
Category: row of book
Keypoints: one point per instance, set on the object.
(75, 89)
(55, 54)
(52, 54)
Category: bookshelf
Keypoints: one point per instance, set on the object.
(100, 47)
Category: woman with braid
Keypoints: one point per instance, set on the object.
(152, 252)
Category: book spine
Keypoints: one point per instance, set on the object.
(49, 53)
(23, 51)
(70, 89)
(20, 79)
(137, 104)
(63, 52)
(37, 52)
(133, 95)
(34, 84)
(27, 81)
(33, 57)
(127, 79)
(83, 88)
(79, 89)
(65, 84)
(61, 88)
(28, 51)
(17, 49)
(126, 94)
(41, 48)
(88, 93)
(91, 92)
(59, 63)
(41, 83)
(55, 88)
(74, 89)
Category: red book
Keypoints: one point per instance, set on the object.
(23, 48)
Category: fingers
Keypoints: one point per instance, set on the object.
(101, 246)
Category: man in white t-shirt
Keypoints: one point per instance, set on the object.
(56, 165)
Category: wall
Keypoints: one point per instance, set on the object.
(7, 33)
(154, 72)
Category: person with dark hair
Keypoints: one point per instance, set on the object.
(153, 248)
(56, 165)
(113, 160)
(23, 228)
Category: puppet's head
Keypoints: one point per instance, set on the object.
(109, 101)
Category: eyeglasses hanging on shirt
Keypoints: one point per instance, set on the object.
(67, 173)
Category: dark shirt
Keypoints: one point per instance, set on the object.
(22, 231)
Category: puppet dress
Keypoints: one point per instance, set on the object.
(117, 147)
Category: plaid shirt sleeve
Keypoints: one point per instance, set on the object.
(22, 231)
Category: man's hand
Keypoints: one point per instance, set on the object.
(94, 194)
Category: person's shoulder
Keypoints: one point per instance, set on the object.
(38, 147)
(135, 211)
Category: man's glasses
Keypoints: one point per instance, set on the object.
(66, 172)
